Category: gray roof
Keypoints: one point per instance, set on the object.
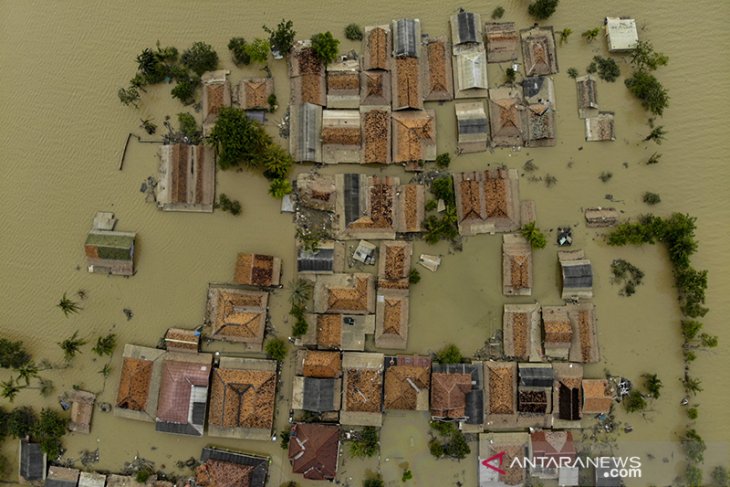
(473, 126)
(531, 86)
(177, 428)
(59, 483)
(405, 43)
(32, 461)
(474, 407)
(319, 394)
(260, 464)
(468, 28)
(322, 260)
(352, 198)
(577, 276)
(536, 376)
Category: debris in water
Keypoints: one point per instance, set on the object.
(89, 457)
(143, 187)
(609, 197)
(105, 407)
(128, 313)
(565, 236)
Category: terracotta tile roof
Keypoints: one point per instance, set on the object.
(257, 270)
(374, 85)
(471, 206)
(257, 93)
(585, 325)
(382, 197)
(216, 95)
(410, 134)
(496, 195)
(364, 390)
(176, 389)
(237, 315)
(401, 382)
(501, 389)
(520, 271)
(350, 298)
(134, 385)
(448, 394)
(396, 266)
(552, 444)
(329, 331)
(597, 396)
(392, 323)
(177, 339)
(179, 176)
(520, 334)
(438, 77)
(411, 207)
(242, 398)
(215, 473)
(378, 48)
(558, 331)
(406, 93)
(348, 81)
(322, 364)
(376, 143)
(341, 135)
(313, 450)
(508, 121)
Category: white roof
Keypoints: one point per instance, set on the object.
(621, 34)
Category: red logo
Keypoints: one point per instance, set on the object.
(499, 456)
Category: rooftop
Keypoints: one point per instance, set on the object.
(321, 364)
(538, 51)
(254, 93)
(597, 396)
(376, 47)
(406, 84)
(313, 450)
(502, 387)
(391, 319)
(502, 41)
(407, 384)
(516, 266)
(344, 293)
(437, 73)
(257, 270)
(236, 315)
(414, 136)
(225, 468)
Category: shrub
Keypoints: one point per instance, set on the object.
(450, 354)
(237, 46)
(533, 235)
(366, 444)
(457, 447)
(281, 39)
(573, 73)
(607, 68)
(325, 47)
(431, 205)
(444, 428)
(497, 13)
(373, 481)
(414, 277)
(692, 413)
(634, 401)
(184, 90)
(353, 32)
(258, 50)
(277, 162)
(229, 205)
(591, 34)
(643, 57)
(199, 58)
(276, 349)
(128, 96)
(693, 446)
(300, 327)
(651, 198)
(653, 96)
(436, 448)
(143, 474)
(720, 477)
(443, 160)
(189, 127)
(653, 385)
(280, 188)
(509, 76)
(542, 9)
(273, 103)
(407, 475)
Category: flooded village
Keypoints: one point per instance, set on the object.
(425, 297)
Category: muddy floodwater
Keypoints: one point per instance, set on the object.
(63, 130)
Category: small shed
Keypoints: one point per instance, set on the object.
(343, 84)
(110, 252)
(377, 47)
(466, 28)
(61, 477)
(376, 134)
(577, 274)
(472, 127)
(436, 70)
(257, 270)
(470, 71)
(587, 96)
(31, 461)
(406, 38)
(414, 136)
(538, 51)
(182, 340)
(601, 217)
(601, 127)
(406, 84)
(254, 93)
(621, 34)
(92, 479)
(82, 409)
(507, 116)
(305, 143)
(341, 136)
(502, 40)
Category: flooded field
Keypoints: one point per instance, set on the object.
(64, 130)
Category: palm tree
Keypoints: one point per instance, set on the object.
(68, 306)
(692, 385)
(10, 389)
(71, 346)
(105, 345)
(564, 34)
(106, 370)
(301, 292)
(46, 387)
(658, 134)
(27, 372)
(591, 34)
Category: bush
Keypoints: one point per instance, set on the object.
(184, 90)
(497, 13)
(573, 73)
(692, 413)
(653, 96)
(533, 235)
(325, 47)
(542, 9)
(693, 446)
(258, 50)
(129, 96)
(443, 189)
(366, 445)
(509, 76)
(407, 475)
(457, 447)
(441, 227)
(651, 198)
(277, 162)
(444, 428)
(607, 68)
(634, 402)
(693, 476)
(199, 58)
(353, 32)
(436, 448)
(280, 188)
(143, 474)
(431, 205)
(443, 160)
(720, 477)
(450, 354)
(281, 39)
(237, 46)
(276, 349)
(300, 327)
(591, 34)
(653, 385)
(373, 481)
(643, 57)
(238, 140)
(189, 127)
(229, 205)
(414, 277)
(273, 103)
(13, 354)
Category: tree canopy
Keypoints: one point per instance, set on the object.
(325, 46)
(199, 58)
(542, 9)
(281, 39)
(239, 140)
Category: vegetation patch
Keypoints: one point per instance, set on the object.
(627, 275)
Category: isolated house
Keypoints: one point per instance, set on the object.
(341, 136)
(601, 127)
(344, 293)
(377, 47)
(32, 461)
(414, 136)
(577, 274)
(507, 117)
(362, 389)
(407, 382)
(226, 468)
(186, 180)
(236, 315)
(254, 93)
(521, 334)
(487, 201)
(502, 41)
(502, 449)
(61, 477)
(307, 76)
(343, 84)
(597, 396)
(538, 51)
(305, 131)
(587, 96)
(391, 319)
(516, 265)
(257, 270)
(314, 450)
(457, 393)
(601, 217)
(110, 252)
(181, 405)
(436, 70)
(82, 409)
(139, 383)
(242, 399)
(472, 127)
(621, 34)
(216, 95)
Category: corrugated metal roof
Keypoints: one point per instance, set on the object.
(467, 28)
(577, 276)
(473, 126)
(474, 407)
(322, 260)
(471, 68)
(32, 461)
(405, 38)
(319, 394)
(536, 376)
(352, 198)
(310, 117)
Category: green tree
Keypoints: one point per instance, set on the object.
(414, 276)
(4, 428)
(497, 13)
(450, 354)
(443, 160)
(542, 9)
(509, 76)
(238, 140)
(68, 306)
(436, 448)
(373, 481)
(184, 89)
(277, 162)
(199, 58)
(565, 34)
(105, 345)
(229, 205)
(366, 444)
(643, 57)
(325, 47)
(653, 159)
(129, 96)
(573, 73)
(657, 134)
(591, 34)
(301, 293)
(258, 50)
(21, 421)
(71, 346)
(720, 477)
(653, 385)
(691, 385)
(443, 189)
(533, 235)
(189, 127)
(237, 46)
(693, 476)
(651, 198)
(9, 389)
(281, 38)
(273, 103)
(457, 447)
(353, 32)
(284, 442)
(26, 372)
(276, 349)
(693, 445)
(13, 354)
(634, 401)
(693, 413)
(300, 327)
(644, 86)
(49, 430)
(607, 68)
(407, 475)
(280, 188)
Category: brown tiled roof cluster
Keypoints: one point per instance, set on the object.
(558, 331)
(216, 92)
(349, 298)
(584, 332)
(410, 134)
(322, 364)
(134, 385)
(496, 194)
(343, 81)
(364, 390)
(239, 315)
(448, 394)
(242, 398)
(501, 390)
(436, 52)
(376, 144)
(341, 136)
(519, 271)
(401, 382)
(175, 389)
(215, 473)
(313, 450)
(257, 93)
(520, 332)
(329, 330)
(471, 200)
(378, 48)
(407, 94)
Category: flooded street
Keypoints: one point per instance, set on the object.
(64, 130)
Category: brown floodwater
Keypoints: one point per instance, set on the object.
(64, 129)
